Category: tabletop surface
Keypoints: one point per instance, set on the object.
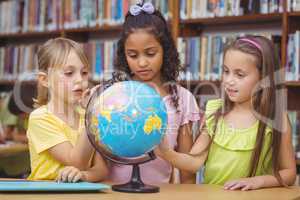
(11, 148)
(167, 191)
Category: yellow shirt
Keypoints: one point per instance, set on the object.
(230, 153)
(45, 130)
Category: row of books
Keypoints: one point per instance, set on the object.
(101, 54)
(293, 58)
(202, 56)
(89, 13)
(19, 61)
(31, 15)
(191, 9)
(293, 5)
(49, 15)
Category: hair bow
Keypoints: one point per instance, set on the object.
(136, 9)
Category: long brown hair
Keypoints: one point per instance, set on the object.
(156, 25)
(267, 101)
(54, 54)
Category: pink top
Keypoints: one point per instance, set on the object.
(158, 170)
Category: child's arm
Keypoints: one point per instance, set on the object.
(185, 142)
(19, 136)
(78, 155)
(98, 172)
(287, 166)
(69, 155)
(188, 162)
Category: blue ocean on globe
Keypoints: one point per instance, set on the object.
(130, 118)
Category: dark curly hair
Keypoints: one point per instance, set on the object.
(156, 25)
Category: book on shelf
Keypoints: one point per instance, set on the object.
(19, 60)
(293, 57)
(101, 56)
(202, 56)
(293, 5)
(294, 117)
(193, 9)
(55, 15)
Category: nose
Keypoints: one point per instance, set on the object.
(78, 77)
(229, 79)
(142, 61)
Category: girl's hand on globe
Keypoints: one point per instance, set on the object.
(163, 147)
(70, 174)
(86, 95)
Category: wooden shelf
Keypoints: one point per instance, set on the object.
(195, 82)
(103, 28)
(229, 23)
(245, 19)
(294, 14)
(7, 82)
(105, 31)
(182, 82)
(12, 82)
(83, 34)
(27, 38)
(95, 29)
(292, 83)
(29, 34)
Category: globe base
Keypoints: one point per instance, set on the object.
(134, 188)
(135, 185)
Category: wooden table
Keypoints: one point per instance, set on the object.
(14, 159)
(12, 148)
(168, 192)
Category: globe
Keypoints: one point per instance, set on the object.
(125, 122)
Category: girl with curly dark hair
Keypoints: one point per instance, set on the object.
(146, 52)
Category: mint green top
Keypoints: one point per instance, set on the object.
(230, 153)
(6, 117)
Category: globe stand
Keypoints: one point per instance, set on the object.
(135, 185)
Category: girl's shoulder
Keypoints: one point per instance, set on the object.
(184, 94)
(212, 106)
(42, 114)
(38, 112)
(186, 98)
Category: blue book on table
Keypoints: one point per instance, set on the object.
(48, 186)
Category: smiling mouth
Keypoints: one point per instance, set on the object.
(231, 91)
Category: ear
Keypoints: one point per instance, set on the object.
(43, 79)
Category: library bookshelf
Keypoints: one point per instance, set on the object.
(286, 21)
